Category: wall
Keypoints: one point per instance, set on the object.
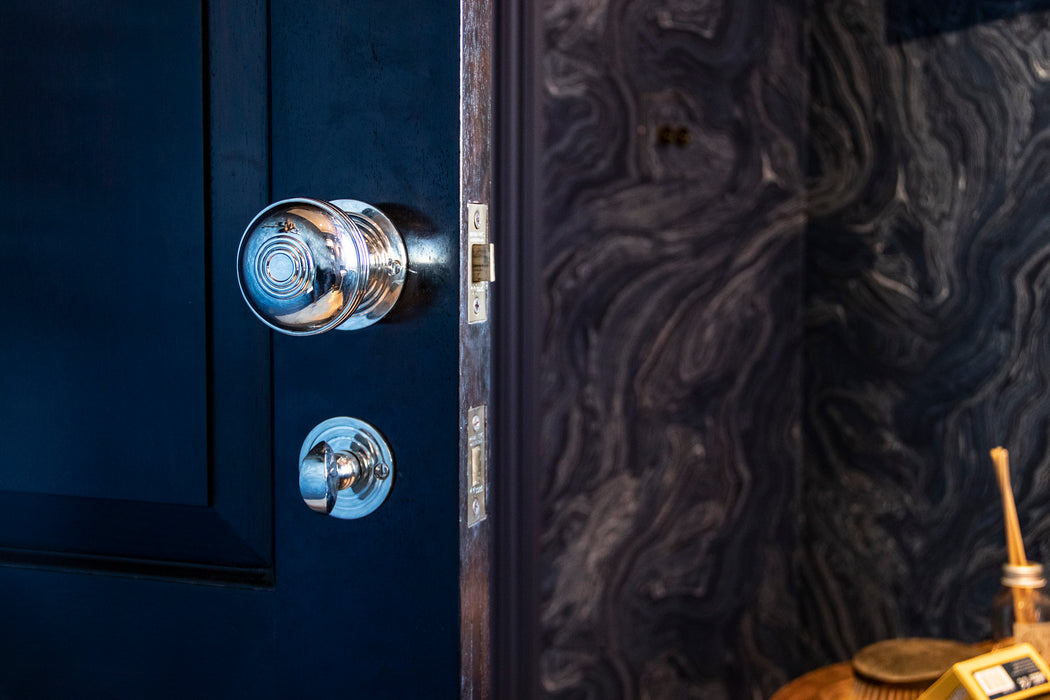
(795, 267)
(672, 248)
(928, 263)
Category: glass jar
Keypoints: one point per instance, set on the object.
(1022, 598)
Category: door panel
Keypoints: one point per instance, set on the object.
(122, 448)
(95, 202)
(152, 535)
(80, 635)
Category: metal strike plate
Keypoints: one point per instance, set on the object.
(477, 465)
(480, 262)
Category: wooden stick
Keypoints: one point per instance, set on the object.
(1014, 542)
(1023, 610)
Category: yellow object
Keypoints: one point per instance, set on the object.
(1012, 673)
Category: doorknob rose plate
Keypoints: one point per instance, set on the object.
(346, 468)
(306, 266)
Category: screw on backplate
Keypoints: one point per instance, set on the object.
(477, 306)
(477, 507)
(476, 423)
(477, 218)
(381, 471)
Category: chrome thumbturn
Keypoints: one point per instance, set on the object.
(306, 266)
(345, 468)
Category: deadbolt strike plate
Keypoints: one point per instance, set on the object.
(479, 262)
(477, 450)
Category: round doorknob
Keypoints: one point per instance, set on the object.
(306, 266)
(345, 468)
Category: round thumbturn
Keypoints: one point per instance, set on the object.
(306, 266)
(346, 468)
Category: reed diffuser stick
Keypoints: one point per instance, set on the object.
(1023, 608)
(1014, 543)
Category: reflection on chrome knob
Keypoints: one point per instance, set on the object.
(306, 266)
(346, 468)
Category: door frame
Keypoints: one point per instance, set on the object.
(516, 348)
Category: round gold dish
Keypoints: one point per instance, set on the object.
(894, 669)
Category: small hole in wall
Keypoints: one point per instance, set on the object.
(673, 135)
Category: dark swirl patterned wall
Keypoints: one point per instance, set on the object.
(770, 387)
(927, 314)
(672, 349)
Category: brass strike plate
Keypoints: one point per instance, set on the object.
(477, 467)
(480, 262)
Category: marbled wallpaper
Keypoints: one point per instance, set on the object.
(674, 215)
(927, 316)
(797, 260)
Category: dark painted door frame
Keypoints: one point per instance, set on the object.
(516, 351)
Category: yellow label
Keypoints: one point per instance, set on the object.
(1012, 673)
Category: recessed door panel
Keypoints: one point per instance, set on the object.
(123, 343)
(103, 237)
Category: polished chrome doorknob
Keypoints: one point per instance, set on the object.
(345, 468)
(306, 266)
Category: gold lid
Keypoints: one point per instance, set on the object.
(1023, 576)
(910, 660)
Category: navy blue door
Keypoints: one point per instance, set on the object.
(153, 542)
